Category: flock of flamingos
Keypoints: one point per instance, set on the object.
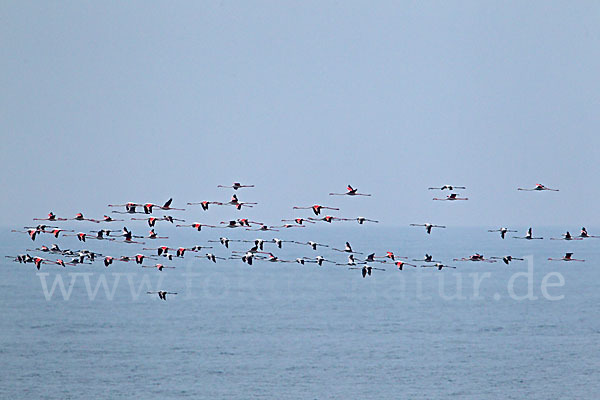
(355, 260)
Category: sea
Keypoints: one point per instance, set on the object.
(527, 330)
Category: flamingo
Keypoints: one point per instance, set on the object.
(507, 259)
(392, 256)
(108, 218)
(288, 226)
(312, 244)
(538, 187)
(258, 243)
(567, 257)
(362, 220)
(502, 231)
(279, 242)
(211, 257)
(584, 234)
(152, 220)
(238, 204)
(449, 187)
(262, 228)
(160, 250)
(159, 267)
(167, 206)
(108, 260)
(438, 265)
(196, 225)
(366, 270)
(347, 249)
(351, 261)
(80, 217)
(427, 258)
(128, 235)
(224, 241)
(428, 226)
(320, 260)
(154, 235)
(56, 232)
(316, 208)
(475, 257)
(130, 208)
(567, 236)
(162, 294)
(350, 192)
(51, 217)
(328, 218)
(205, 204)
(299, 221)
(452, 197)
(236, 186)
(371, 258)
(401, 264)
(528, 236)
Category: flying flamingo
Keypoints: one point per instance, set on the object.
(312, 244)
(428, 226)
(538, 187)
(567, 236)
(316, 208)
(366, 270)
(567, 257)
(328, 218)
(475, 257)
(401, 264)
(439, 266)
(236, 186)
(584, 234)
(351, 261)
(108, 218)
(452, 197)
(362, 220)
(449, 187)
(167, 206)
(427, 258)
(288, 226)
(392, 256)
(350, 192)
(502, 231)
(262, 228)
(528, 236)
(51, 217)
(205, 204)
(211, 257)
(196, 225)
(56, 232)
(152, 220)
(238, 204)
(153, 235)
(159, 267)
(279, 242)
(80, 217)
(299, 221)
(160, 250)
(162, 294)
(224, 241)
(347, 249)
(507, 259)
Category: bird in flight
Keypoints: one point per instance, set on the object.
(567, 257)
(449, 187)
(502, 231)
(162, 294)
(236, 186)
(451, 197)
(428, 226)
(538, 187)
(350, 191)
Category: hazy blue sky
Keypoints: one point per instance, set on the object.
(141, 101)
